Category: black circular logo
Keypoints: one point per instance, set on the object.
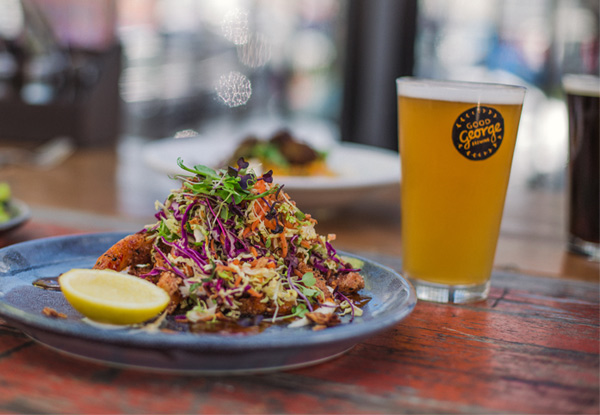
(477, 133)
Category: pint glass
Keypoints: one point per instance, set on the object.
(456, 146)
(583, 97)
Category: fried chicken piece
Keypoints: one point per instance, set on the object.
(349, 283)
(170, 282)
(132, 250)
(252, 306)
(320, 283)
(323, 320)
(295, 152)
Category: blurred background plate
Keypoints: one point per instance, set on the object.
(20, 213)
(361, 170)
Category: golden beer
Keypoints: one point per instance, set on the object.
(456, 146)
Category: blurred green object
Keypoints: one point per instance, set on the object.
(4, 198)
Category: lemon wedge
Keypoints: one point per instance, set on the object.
(112, 297)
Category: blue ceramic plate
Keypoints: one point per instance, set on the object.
(19, 214)
(276, 348)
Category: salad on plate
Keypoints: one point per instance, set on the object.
(230, 245)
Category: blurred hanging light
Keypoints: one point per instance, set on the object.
(188, 133)
(234, 89)
(256, 52)
(12, 20)
(235, 26)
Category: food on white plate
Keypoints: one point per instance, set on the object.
(5, 194)
(284, 154)
(229, 245)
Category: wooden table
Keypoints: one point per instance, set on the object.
(531, 347)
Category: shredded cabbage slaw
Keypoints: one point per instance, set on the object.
(236, 242)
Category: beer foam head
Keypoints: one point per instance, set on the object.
(587, 85)
(456, 91)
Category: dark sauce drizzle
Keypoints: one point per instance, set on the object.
(48, 283)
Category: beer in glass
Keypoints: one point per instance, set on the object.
(456, 143)
(583, 97)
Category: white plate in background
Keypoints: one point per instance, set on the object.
(360, 169)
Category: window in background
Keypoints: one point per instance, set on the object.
(212, 64)
(59, 65)
(530, 43)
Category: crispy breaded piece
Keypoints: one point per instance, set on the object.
(131, 250)
(323, 320)
(252, 306)
(320, 281)
(350, 282)
(170, 283)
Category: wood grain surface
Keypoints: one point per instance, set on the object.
(531, 347)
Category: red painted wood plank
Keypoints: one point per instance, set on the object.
(82, 388)
(10, 339)
(467, 356)
(406, 368)
(465, 379)
(535, 305)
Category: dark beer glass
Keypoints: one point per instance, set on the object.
(583, 97)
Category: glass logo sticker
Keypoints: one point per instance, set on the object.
(477, 133)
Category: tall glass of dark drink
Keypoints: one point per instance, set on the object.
(583, 96)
